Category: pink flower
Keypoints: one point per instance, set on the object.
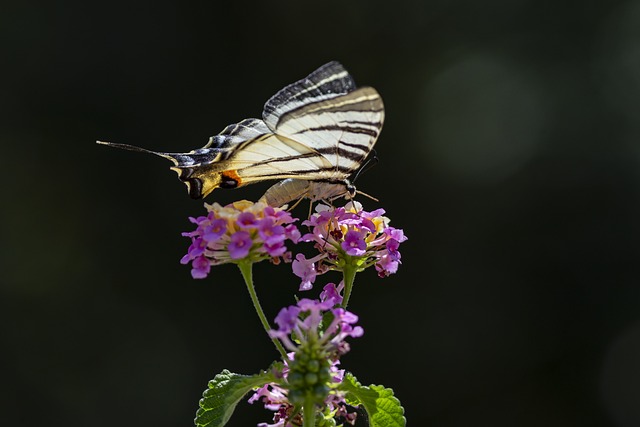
(306, 270)
(349, 236)
(239, 245)
(353, 243)
(236, 232)
(311, 369)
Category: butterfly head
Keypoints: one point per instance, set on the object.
(350, 190)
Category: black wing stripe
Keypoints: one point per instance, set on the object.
(331, 85)
(358, 105)
(284, 159)
(328, 81)
(235, 134)
(345, 154)
(345, 171)
(351, 129)
(364, 149)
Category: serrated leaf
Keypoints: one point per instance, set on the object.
(382, 407)
(225, 391)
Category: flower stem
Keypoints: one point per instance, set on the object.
(348, 276)
(247, 274)
(308, 413)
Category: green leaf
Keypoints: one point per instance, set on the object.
(225, 391)
(383, 408)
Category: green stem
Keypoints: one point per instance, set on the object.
(348, 276)
(308, 413)
(247, 274)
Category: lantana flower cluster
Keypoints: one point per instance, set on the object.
(349, 237)
(311, 336)
(239, 231)
(315, 332)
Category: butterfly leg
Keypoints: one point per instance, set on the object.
(297, 202)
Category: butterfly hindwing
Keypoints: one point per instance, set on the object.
(242, 154)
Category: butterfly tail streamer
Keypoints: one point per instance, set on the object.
(189, 167)
(179, 159)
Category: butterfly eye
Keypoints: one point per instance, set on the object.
(351, 190)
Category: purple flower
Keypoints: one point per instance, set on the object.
(286, 319)
(304, 269)
(246, 220)
(386, 265)
(197, 248)
(331, 292)
(240, 244)
(277, 397)
(305, 319)
(269, 232)
(311, 370)
(275, 249)
(239, 231)
(292, 233)
(353, 243)
(215, 230)
(392, 246)
(200, 267)
(349, 237)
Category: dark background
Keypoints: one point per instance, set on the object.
(509, 156)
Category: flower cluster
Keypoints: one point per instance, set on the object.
(275, 398)
(311, 336)
(349, 237)
(304, 321)
(239, 231)
(315, 333)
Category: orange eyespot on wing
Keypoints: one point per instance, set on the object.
(230, 179)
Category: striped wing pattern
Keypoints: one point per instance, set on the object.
(342, 129)
(326, 82)
(319, 129)
(257, 152)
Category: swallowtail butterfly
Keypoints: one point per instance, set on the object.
(313, 135)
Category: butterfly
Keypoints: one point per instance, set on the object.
(314, 134)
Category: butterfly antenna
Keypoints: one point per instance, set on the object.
(367, 195)
(370, 162)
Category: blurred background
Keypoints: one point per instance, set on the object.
(509, 156)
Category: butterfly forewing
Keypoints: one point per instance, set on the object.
(342, 129)
(326, 82)
(275, 157)
(242, 154)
